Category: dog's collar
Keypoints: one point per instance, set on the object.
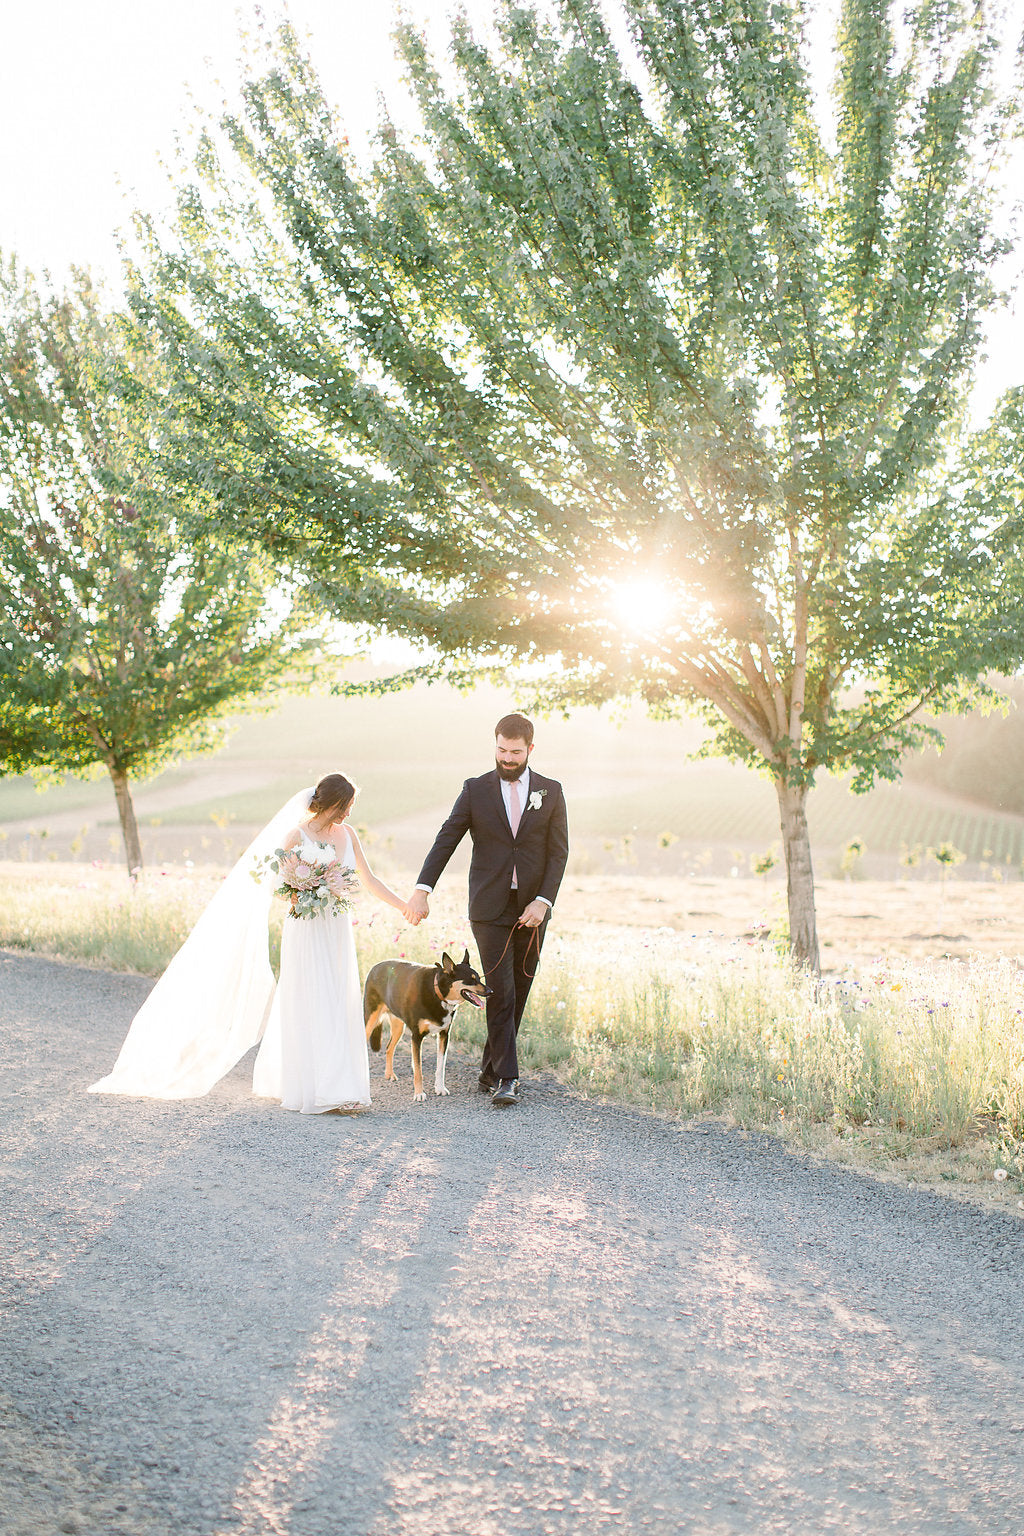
(445, 1004)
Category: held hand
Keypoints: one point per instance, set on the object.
(417, 907)
(533, 915)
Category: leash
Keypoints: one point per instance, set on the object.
(534, 940)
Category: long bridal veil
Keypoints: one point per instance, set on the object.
(211, 1004)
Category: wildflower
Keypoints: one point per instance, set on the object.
(999, 1174)
(561, 1006)
(778, 1077)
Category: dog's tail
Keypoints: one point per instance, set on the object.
(376, 1035)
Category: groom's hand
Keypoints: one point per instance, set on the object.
(417, 907)
(533, 915)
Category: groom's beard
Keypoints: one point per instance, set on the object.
(509, 774)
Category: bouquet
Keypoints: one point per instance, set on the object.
(311, 890)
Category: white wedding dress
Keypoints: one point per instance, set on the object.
(211, 1004)
(313, 1056)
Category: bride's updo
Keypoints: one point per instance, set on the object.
(332, 797)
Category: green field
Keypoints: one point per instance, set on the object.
(631, 779)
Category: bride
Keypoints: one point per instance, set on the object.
(215, 998)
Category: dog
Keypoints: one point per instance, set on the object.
(422, 999)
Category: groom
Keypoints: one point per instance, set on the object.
(520, 836)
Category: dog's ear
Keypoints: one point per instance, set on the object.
(465, 958)
(447, 962)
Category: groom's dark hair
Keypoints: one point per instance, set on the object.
(514, 728)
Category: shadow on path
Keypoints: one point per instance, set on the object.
(442, 1320)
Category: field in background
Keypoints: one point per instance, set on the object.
(631, 787)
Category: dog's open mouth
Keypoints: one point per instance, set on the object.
(471, 997)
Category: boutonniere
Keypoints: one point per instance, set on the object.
(536, 799)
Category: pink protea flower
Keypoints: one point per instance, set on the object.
(310, 889)
(339, 878)
(298, 872)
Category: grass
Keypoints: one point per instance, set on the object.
(909, 1058)
(91, 917)
(905, 1066)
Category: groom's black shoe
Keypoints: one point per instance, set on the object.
(507, 1092)
(487, 1081)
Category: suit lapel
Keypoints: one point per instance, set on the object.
(536, 782)
(499, 802)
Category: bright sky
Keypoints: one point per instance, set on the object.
(92, 93)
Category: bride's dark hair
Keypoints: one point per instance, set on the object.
(333, 793)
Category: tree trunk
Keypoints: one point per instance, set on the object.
(129, 826)
(803, 927)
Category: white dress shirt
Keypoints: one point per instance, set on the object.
(524, 793)
(506, 794)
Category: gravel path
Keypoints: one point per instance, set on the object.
(445, 1320)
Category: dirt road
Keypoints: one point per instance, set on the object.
(447, 1320)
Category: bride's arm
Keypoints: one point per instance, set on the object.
(373, 885)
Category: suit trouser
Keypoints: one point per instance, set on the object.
(508, 957)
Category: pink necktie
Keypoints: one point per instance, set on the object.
(515, 812)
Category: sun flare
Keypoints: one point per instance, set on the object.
(643, 604)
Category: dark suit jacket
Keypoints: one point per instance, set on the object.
(538, 852)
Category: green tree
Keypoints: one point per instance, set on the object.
(625, 371)
(123, 643)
